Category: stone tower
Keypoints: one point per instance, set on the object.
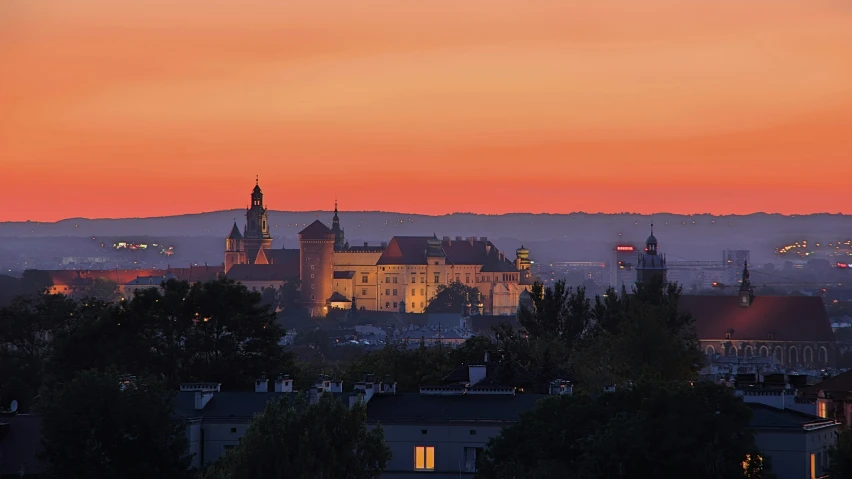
(256, 235)
(316, 266)
(235, 251)
(651, 264)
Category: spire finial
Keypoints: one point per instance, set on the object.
(256, 180)
(652, 228)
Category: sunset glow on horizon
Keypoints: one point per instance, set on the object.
(150, 108)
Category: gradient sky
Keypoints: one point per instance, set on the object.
(156, 107)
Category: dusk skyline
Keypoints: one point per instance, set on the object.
(128, 109)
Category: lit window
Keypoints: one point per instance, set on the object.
(821, 409)
(424, 458)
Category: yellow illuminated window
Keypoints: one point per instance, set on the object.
(821, 409)
(424, 458)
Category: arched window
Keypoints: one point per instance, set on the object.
(823, 356)
(764, 352)
(808, 356)
(748, 351)
(793, 355)
(778, 357)
(711, 351)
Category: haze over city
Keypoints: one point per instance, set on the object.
(150, 108)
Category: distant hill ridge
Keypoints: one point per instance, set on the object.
(698, 237)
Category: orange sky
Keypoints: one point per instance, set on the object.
(156, 107)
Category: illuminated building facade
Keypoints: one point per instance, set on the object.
(400, 276)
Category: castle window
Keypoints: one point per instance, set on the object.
(394, 292)
(387, 292)
(364, 279)
(421, 304)
(413, 291)
(387, 305)
(312, 276)
(727, 335)
(467, 278)
(422, 292)
(312, 297)
(437, 278)
(312, 286)
(364, 292)
(422, 278)
(387, 279)
(412, 305)
(312, 266)
(394, 280)
(394, 304)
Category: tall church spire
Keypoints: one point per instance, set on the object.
(746, 291)
(339, 239)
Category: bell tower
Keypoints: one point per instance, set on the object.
(746, 291)
(339, 240)
(651, 264)
(235, 251)
(256, 234)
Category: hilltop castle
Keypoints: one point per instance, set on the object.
(401, 275)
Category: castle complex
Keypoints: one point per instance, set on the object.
(401, 275)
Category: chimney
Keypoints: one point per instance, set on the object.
(484, 239)
(459, 238)
(471, 240)
(368, 387)
(561, 387)
(202, 398)
(261, 385)
(388, 387)
(476, 373)
(365, 244)
(283, 384)
(446, 239)
(356, 397)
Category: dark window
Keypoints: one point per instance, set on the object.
(473, 432)
(364, 292)
(233, 429)
(422, 431)
(394, 280)
(387, 305)
(387, 292)
(394, 292)
(364, 278)
(395, 305)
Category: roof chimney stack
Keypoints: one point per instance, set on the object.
(261, 385)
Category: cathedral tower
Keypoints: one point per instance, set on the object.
(746, 291)
(235, 251)
(256, 234)
(651, 264)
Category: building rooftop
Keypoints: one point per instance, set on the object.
(316, 230)
(768, 417)
(416, 408)
(786, 318)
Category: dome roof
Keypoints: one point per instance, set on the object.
(651, 240)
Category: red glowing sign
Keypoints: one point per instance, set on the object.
(842, 265)
(624, 248)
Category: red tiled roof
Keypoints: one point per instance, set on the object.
(838, 387)
(120, 276)
(787, 318)
(316, 230)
